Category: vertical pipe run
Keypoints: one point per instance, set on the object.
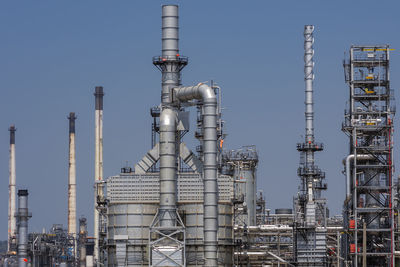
(170, 51)
(23, 216)
(168, 167)
(12, 224)
(98, 166)
(72, 177)
(207, 95)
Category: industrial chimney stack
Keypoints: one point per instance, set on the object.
(12, 225)
(99, 197)
(72, 177)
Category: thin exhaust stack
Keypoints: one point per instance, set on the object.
(12, 223)
(72, 177)
(98, 167)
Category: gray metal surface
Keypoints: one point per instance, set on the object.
(207, 95)
(134, 201)
(168, 175)
(22, 215)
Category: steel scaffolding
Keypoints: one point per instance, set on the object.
(368, 209)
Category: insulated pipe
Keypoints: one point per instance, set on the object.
(72, 177)
(347, 163)
(207, 95)
(168, 166)
(12, 224)
(23, 216)
(170, 51)
(98, 170)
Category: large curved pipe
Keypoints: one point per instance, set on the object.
(207, 95)
(168, 176)
(347, 163)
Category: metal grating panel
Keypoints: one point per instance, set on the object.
(146, 188)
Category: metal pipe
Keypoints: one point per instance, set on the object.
(72, 177)
(207, 95)
(347, 163)
(98, 166)
(170, 51)
(168, 165)
(22, 216)
(12, 223)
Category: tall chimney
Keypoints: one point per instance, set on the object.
(98, 171)
(72, 177)
(12, 225)
(22, 216)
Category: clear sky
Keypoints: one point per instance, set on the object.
(53, 54)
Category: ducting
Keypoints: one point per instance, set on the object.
(168, 166)
(207, 95)
(22, 216)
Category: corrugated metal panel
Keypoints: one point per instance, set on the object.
(146, 188)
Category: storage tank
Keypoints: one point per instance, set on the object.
(133, 203)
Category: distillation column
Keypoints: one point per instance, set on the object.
(12, 224)
(23, 216)
(310, 221)
(368, 208)
(72, 177)
(98, 170)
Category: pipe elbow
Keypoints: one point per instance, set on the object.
(207, 93)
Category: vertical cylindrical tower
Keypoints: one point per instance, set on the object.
(170, 51)
(82, 242)
(12, 224)
(98, 169)
(72, 177)
(309, 77)
(23, 216)
(309, 102)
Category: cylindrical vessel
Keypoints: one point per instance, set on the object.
(23, 215)
(130, 221)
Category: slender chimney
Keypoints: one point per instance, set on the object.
(12, 224)
(72, 177)
(22, 216)
(98, 166)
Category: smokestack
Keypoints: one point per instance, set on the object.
(82, 242)
(23, 216)
(12, 224)
(309, 115)
(72, 177)
(98, 166)
(170, 62)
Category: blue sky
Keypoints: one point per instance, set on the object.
(53, 54)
